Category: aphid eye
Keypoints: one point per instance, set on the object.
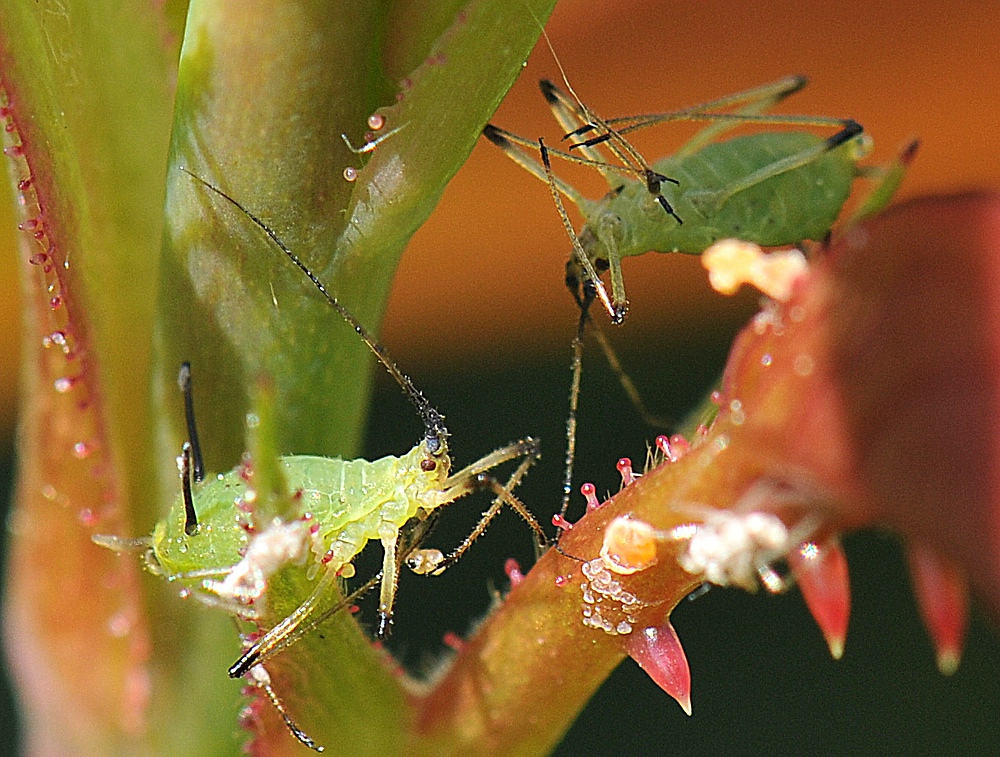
(428, 464)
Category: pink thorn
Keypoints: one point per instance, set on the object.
(943, 598)
(513, 571)
(658, 651)
(453, 641)
(821, 572)
(560, 522)
(589, 491)
(561, 581)
(624, 467)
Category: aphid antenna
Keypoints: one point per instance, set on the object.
(435, 432)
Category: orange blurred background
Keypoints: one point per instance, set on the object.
(482, 280)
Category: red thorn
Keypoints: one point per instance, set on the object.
(624, 467)
(658, 651)
(589, 491)
(821, 572)
(943, 598)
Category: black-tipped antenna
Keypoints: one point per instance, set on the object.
(184, 382)
(435, 432)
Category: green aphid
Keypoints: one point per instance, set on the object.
(225, 537)
(772, 188)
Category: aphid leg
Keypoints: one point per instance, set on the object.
(574, 116)
(576, 369)
(390, 582)
(578, 251)
(711, 201)
(751, 102)
(262, 680)
(470, 479)
(887, 180)
(284, 633)
(511, 145)
(256, 656)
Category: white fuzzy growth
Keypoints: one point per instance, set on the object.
(731, 548)
(269, 551)
(732, 263)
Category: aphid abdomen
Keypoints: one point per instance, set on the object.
(802, 203)
(354, 501)
(221, 534)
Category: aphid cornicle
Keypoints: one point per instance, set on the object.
(211, 543)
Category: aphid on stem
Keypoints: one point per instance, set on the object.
(773, 188)
(224, 538)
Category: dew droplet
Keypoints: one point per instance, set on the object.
(87, 517)
(765, 360)
(376, 121)
(350, 173)
(561, 581)
(64, 384)
(82, 450)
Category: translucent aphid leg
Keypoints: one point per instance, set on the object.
(578, 252)
(509, 143)
(887, 180)
(284, 633)
(758, 100)
(711, 201)
(308, 626)
(576, 368)
(473, 478)
(573, 116)
(726, 113)
(260, 678)
(390, 581)
(648, 417)
(577, 119)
